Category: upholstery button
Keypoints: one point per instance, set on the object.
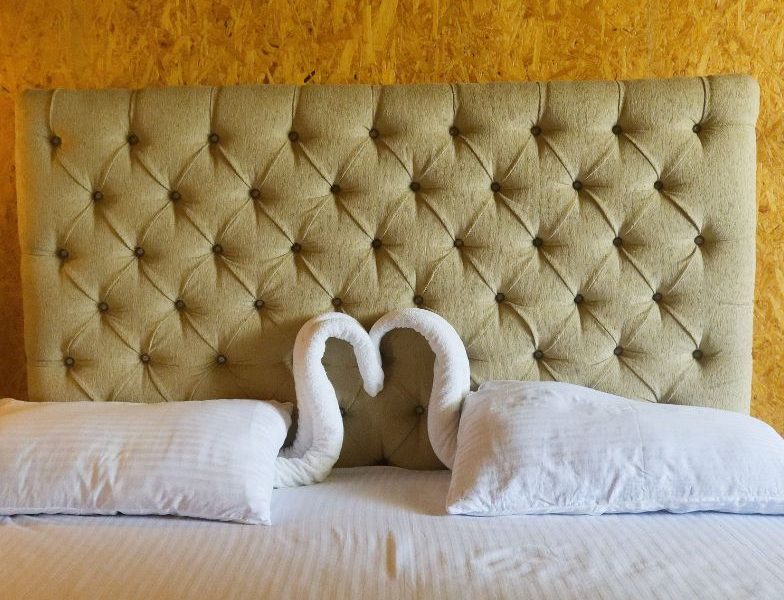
(500, 297)
(376, 243)
(62, 253)
(536, 130)
(617, 129)
(577, 184)
(334, 188)
(697, 354)
(696, 128)
(69, 362)
(538, 354)
(296, 247)
(458, 243)
(258, 304)
(414, 186)
(373, 133)
(658, 185)
(103, 307)
(618, 351)
(213, 138)
(293, 136)
(132, 139)
(179, 304)
(220, 359)
(217, 249)
(699, 240)
(495, 187)
(145, 358)
(337, 302)
(579, 299)
(97, 195)
(454, 131)
(382, 462)
(617, 241)
(657, 297)
(342, 412)
(55, 140)
(537, 242)
(254, 193)
(138, 251)
(174, 195)
(419, 410)
(418, 300)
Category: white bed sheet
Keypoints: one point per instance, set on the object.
(382, 532)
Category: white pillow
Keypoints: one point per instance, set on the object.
(210, 459)
(543, 447)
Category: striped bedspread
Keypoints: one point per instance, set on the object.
(381, 532)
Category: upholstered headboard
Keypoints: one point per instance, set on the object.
(601, 233)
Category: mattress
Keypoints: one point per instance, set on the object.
(381, 532)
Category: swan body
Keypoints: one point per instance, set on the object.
(319, 438)
(451, 373)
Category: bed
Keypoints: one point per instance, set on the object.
(381, 532)
(601, 233)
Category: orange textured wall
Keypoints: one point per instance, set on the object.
(136, 43)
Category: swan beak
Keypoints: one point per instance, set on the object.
(375, 384)
(372, 389)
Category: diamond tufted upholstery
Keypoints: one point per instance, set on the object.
(600, 233)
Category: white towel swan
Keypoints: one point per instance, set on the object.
(319, 438)
(451, 373)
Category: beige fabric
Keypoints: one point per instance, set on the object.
(276, 193)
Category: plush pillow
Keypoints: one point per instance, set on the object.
(210, 459)
(543, 447)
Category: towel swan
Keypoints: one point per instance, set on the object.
(320, 433)
(319, 438)
(451, 373)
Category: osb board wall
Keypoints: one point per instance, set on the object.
(140, 43)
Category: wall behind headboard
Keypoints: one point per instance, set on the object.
(130, 43)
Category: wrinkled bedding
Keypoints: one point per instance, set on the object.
(382, 532)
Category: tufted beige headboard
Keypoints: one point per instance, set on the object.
(602, 233)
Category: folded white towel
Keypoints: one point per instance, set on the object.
(451, 373)
(320, 427)
(319, 438)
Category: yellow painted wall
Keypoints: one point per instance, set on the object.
(164, 42)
